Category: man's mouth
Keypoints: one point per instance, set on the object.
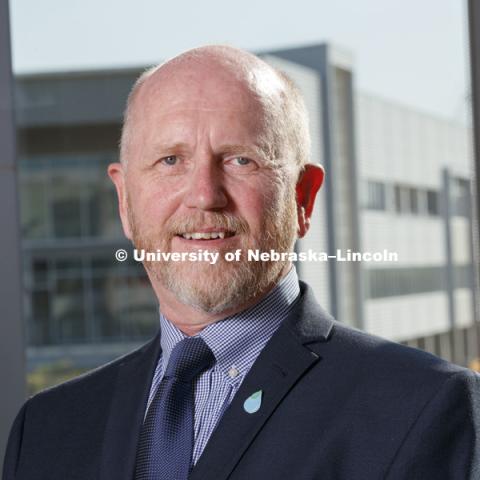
(202, 235)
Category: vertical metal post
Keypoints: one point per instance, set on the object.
(474, 37)
(472, 350)
(449, 274)
(474, 27)
(12, 347)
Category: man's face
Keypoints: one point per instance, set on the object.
(199, 167)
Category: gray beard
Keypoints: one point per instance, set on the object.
(225, 285)
(219, 287)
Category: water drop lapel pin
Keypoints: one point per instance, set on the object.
(253, 402)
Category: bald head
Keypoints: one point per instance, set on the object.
(211, 73)
(223, 62)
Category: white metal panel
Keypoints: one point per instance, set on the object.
(407, 316)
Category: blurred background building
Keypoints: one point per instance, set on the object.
(397, 180)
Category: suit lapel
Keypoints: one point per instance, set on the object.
(129, 400)
(280, 365)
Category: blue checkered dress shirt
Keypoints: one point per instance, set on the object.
(236, 342)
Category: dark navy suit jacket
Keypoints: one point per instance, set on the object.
(337, 404)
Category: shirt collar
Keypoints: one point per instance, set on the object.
(237, 340)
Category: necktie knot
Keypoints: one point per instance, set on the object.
(189, 358)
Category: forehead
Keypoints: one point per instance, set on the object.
(231, 104)
(198, 88)
(170, 104)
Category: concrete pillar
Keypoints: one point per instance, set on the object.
(12, 344)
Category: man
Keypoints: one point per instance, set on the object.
(249, 378)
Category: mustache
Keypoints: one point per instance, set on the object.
(224, 221)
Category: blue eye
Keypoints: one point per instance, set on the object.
(170, 160)
(242, 160)
(241, 165)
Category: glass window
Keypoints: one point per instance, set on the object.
(398, 198)
(432, 202)
(375, 196)
(66, 217)
(39, 333)
(34, 208)
(413, 197)
(460, 196)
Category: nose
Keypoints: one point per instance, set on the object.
(206, 189)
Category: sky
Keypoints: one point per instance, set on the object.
(413, 52)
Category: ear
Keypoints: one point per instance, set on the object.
(117, 174)
(309, 183)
